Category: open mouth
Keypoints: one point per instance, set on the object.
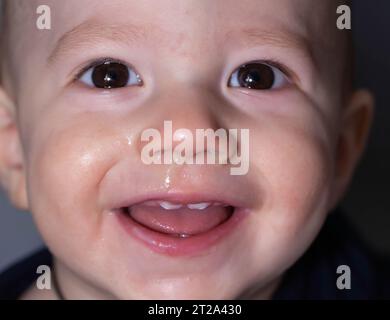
(181, 220)
(178, 227)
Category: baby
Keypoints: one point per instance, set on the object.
(76, 99)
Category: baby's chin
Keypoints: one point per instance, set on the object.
(227, 284)
(199, 287)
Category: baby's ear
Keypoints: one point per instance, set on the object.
(12, 171)
(355, 126)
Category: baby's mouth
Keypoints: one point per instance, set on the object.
(183, 223)
(179, 219)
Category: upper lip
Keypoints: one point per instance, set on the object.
(187, 185)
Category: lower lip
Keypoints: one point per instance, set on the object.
(176, 246)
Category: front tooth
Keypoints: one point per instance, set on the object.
(183, 235)
(169, 205)
(198, 206)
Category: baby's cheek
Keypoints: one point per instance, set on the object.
(66, 166)
(294, 168)
(300, 175)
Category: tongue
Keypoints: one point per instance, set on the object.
(182, 221)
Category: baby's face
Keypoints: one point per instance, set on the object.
(262, 65)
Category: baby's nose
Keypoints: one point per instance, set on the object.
(179, 115)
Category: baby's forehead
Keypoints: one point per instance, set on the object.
(300, 16)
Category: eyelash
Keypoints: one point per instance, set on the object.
(278, 65)
(95, 63)
(277, 68)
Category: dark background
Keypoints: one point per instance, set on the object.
(368, 200)
(367, 203)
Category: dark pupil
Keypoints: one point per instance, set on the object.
(110, 75)
(256, 76)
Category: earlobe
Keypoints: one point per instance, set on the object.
(355, 126)
(12, 173)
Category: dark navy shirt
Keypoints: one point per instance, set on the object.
(313, 276)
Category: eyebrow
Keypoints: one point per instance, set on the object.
(90, 32)
(280, 37)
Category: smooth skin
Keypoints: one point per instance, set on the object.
(67, 150)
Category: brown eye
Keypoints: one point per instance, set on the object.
(257, 76)
(110, 75)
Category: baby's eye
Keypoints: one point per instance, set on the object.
(110, 75)
(258, 76)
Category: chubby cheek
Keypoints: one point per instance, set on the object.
(66, 163)
(294, 168)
